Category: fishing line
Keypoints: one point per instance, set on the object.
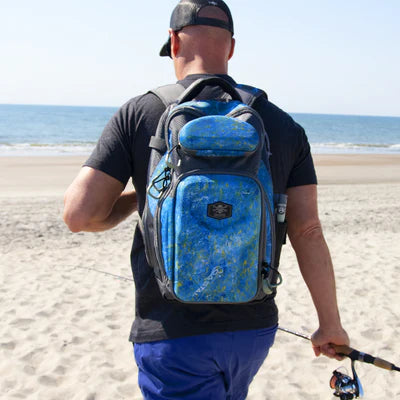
(105, 273)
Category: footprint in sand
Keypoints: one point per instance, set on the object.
(45, 314)
(127, 390)
(60, 370)
(23, 323)
(111, 317)
(77, 340)
(29, 370)
(8, 346)
(49, 381)
(81, 313)
(372, 334)
(114, 326)
(119, 376)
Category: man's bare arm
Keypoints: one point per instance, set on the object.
(306, 236)
(96, 202)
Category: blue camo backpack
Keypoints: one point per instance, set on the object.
(208, 221)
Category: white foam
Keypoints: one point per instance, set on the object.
(361, 148)
(28, 149)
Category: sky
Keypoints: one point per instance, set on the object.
(315, 56)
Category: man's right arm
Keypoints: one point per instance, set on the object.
(95, 202)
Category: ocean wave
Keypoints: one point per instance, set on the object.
(84, 149)
(355, 148)
(46, 149)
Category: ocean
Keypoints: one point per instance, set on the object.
(29, 130)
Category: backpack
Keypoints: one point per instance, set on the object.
(209, 219)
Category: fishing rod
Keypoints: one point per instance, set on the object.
(348, 388)
(351, 353)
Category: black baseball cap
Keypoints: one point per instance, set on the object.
(186, 13)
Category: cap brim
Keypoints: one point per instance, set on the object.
(166, 49)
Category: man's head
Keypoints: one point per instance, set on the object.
(200, 36)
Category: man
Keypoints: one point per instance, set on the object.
(203, 351)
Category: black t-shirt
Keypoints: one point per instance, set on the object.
(123, 153)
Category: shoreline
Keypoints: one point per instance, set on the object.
(51, 175)
(357, 168)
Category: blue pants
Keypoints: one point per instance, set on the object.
(216, 366)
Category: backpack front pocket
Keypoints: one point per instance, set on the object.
(216, 238)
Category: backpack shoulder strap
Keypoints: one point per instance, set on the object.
(250, 94)
(168, 94)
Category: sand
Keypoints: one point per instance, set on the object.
(65, 326)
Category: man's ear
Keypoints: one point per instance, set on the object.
(174, 43)
(233, 43)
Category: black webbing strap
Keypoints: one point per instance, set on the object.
(250, 94)
(158, 144)
(168, 94)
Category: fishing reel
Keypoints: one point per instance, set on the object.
(346, 388)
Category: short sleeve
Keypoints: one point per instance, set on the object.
(303, 170)
(112, 154)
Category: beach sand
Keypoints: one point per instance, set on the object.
(65, 326)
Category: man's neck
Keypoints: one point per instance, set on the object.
(192, 69)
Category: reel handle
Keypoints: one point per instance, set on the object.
(356, 355)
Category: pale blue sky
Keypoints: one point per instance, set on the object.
(335, 57)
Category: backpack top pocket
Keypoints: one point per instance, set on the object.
(218, 136)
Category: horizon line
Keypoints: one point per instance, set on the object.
(117, 107)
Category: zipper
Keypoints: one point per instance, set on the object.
(233, 114)
(248, 109)
(175, 135)
(157, 229)
(272, 224)
(147, 239)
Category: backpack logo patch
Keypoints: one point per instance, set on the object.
(219, 210)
